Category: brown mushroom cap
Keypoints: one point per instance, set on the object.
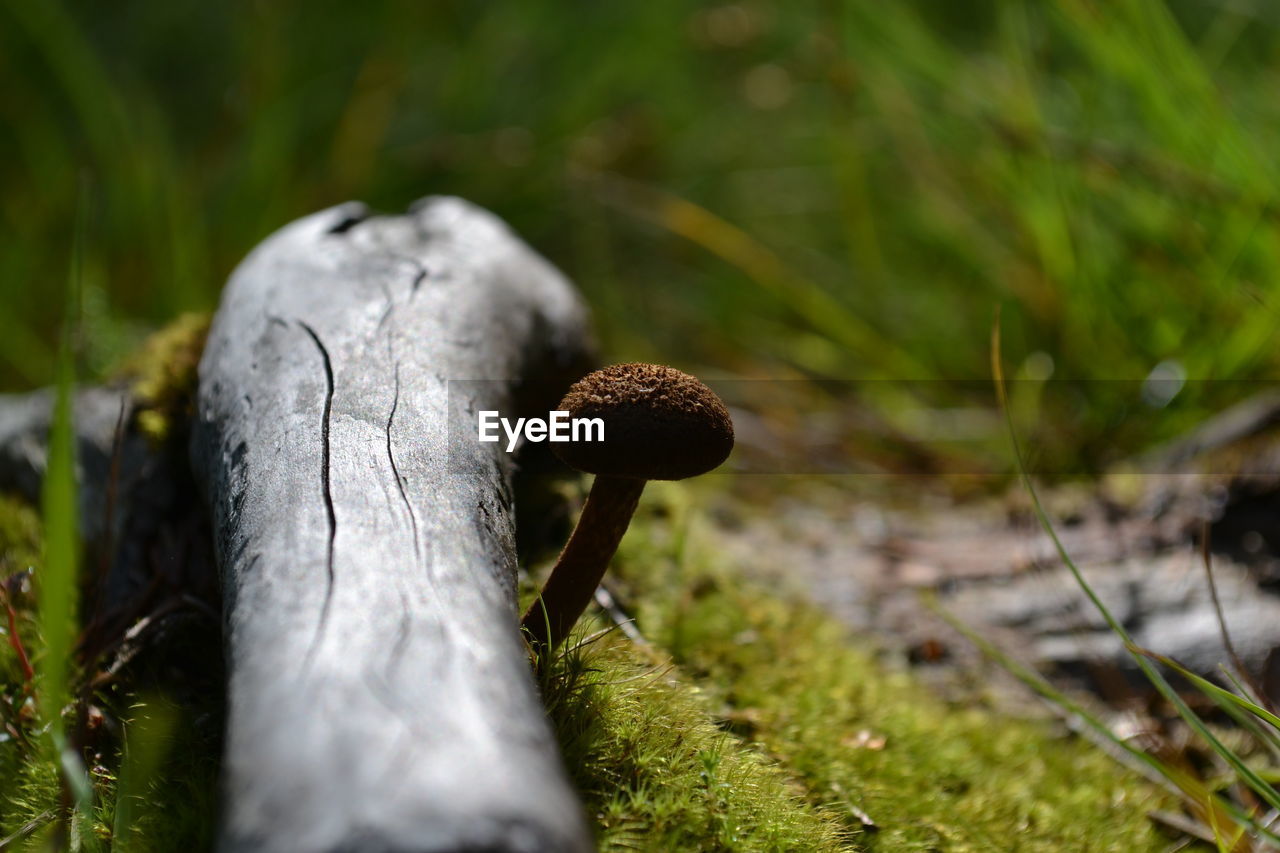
(659, 424)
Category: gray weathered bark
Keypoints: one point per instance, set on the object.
(380, 696)
(129, 490)
(24, 433)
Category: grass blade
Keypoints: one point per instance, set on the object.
(57, 592)
(1206, 557)
(1210, 689)
(57, 579)
(1195, 793)
(1265, 791)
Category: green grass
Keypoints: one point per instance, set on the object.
(833, 190)
(57, 584)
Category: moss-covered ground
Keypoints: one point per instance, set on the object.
(746, 720)
(873, 760)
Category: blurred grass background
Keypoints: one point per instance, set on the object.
(835, 190)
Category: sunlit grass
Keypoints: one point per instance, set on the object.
(838, 191)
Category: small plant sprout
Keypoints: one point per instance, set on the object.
(659, 424)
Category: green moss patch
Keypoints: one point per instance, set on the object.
(656, 771)
(162, 375)
(19, 535)
(873, 760)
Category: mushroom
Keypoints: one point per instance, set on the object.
(659, 424)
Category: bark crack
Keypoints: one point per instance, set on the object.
(420, 271)
(395, 469)
(325, 451)
(391, 304)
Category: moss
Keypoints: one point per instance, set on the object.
(29, 794)
(654, 770)
(162, 375)
(19, 535)
(180, 790)
(860, 739)
(19, 552)
(174, 802)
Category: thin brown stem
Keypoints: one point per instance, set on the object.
(582, 563)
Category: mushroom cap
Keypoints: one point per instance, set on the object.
(659, 424)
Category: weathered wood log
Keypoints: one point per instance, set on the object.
(130, 490)
(24, 433)
(380, 696)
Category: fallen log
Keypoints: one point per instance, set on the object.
(132, 493)
(380, 697)
(99, 414)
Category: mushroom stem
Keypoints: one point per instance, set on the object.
(582, 563)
